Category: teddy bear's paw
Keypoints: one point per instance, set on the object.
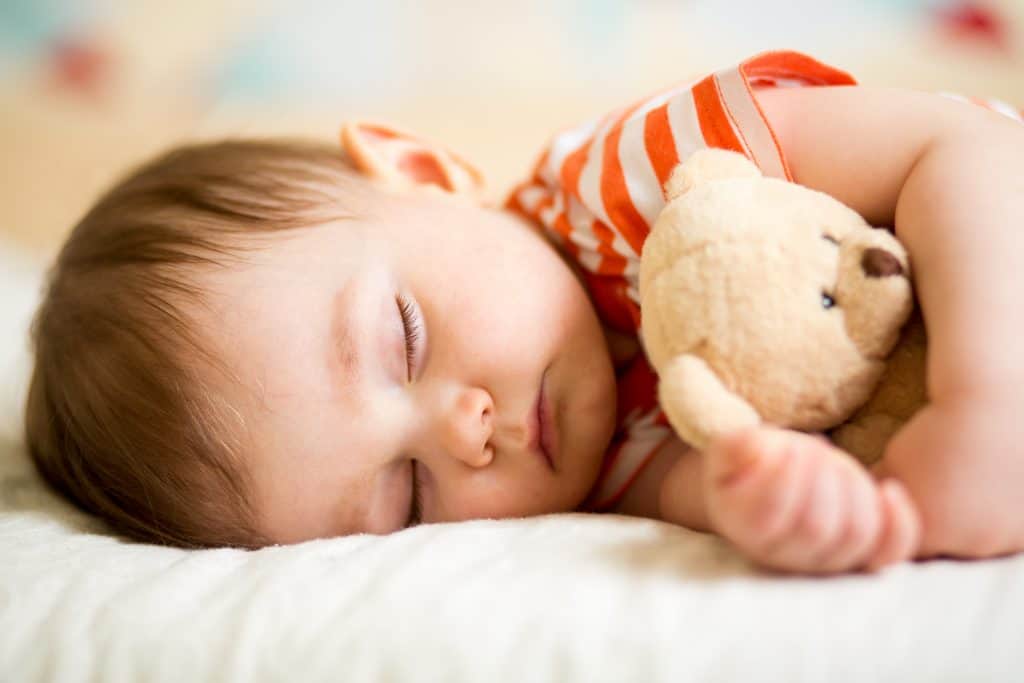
(793, 502)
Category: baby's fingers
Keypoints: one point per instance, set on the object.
(862, 523)
(901, 531)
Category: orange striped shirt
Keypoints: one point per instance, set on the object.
(597, 189)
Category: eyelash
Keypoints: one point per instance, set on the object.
(415, 509)
(413, 329)
(412, 326)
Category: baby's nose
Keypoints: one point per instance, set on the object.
(467, 427)
(879, 263)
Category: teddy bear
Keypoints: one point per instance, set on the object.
(764, 301)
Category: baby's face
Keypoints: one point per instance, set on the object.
(427, 340)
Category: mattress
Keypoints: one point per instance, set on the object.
(573, 597)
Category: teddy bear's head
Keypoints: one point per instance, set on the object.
(788, 296)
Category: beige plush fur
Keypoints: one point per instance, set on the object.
(765, 301)
(900, 393)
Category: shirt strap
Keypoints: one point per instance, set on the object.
(734, 90)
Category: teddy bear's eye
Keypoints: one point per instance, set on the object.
(827, 301)
(830, 238)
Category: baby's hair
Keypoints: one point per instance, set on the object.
(121, 416)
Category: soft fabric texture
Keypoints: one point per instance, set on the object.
(766, 301)
(585, 598)
(901, 391)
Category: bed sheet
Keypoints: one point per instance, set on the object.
(556, 598)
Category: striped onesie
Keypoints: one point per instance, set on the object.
(597, 189)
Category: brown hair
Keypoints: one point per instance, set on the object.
(121, 415)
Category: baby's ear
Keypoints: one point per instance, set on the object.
(402, 159)
(707, 165)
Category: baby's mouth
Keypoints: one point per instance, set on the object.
(544, 434)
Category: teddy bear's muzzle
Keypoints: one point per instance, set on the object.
(879, 263)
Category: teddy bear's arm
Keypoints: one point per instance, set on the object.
(698, 405)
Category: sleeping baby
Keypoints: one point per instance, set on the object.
(258, 342)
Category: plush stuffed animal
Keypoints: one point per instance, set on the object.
(765, 301)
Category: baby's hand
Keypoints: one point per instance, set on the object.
(794, 502)
(962, 462)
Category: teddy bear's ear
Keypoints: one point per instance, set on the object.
(708, 165)
(402, 159)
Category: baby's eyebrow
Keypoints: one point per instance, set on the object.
(343, 355)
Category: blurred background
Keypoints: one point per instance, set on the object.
(90, 87)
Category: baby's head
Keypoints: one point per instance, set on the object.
(253, 342)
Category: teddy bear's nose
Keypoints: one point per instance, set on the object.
(880, 263)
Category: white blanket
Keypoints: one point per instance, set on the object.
(559, 598)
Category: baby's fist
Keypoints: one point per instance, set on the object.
(793, 502)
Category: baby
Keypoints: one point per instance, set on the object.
(249, 343)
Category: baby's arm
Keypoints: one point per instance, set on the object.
(950, 177)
